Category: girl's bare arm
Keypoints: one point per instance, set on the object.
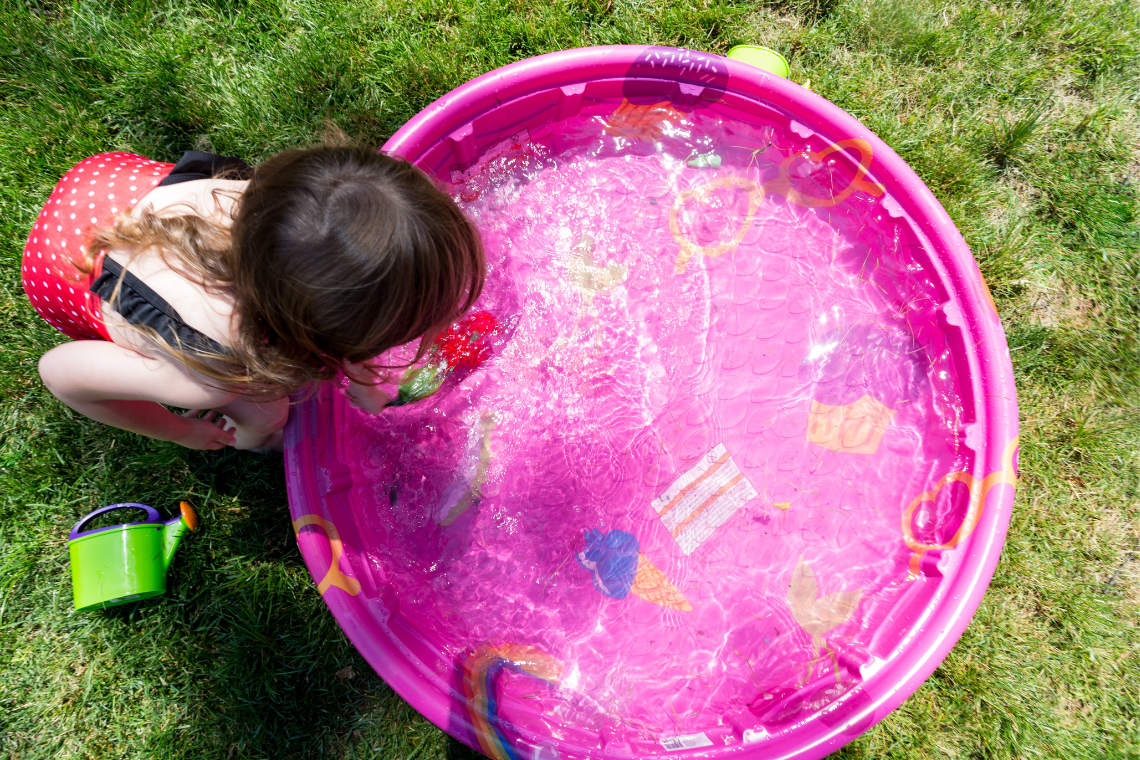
(125, 389)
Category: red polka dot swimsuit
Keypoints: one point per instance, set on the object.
(89, 196)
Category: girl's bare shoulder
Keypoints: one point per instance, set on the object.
(206, 309)
(211, 199)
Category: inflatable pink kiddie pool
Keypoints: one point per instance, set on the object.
(729, 460)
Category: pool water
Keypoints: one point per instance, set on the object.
(676, 507)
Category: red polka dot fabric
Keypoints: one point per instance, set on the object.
(89, 196)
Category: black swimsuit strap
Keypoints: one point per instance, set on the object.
(139, 305)
(197, 165)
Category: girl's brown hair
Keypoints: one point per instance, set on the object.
(335, 254)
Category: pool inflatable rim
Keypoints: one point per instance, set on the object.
(991, 387)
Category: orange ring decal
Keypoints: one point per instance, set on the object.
(783, 183)
(334, 577)
(989, 296)
(978, 493)
(701, 194)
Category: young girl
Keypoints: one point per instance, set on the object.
(220, 288)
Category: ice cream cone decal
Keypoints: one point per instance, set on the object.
(651, 585)
(619, 567)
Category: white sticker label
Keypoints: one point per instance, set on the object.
(688, 741)
(702, 499)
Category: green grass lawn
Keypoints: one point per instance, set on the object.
(1020, 116)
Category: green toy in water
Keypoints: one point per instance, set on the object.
(127, 562)
(461, 348)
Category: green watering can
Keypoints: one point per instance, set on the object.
(127, 562)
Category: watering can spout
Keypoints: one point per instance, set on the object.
(172, 535)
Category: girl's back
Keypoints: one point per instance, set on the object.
(226, 295)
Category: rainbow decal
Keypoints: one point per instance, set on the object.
(480, 670)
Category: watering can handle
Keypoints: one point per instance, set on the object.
(152, 516)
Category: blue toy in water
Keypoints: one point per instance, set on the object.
(612, 558)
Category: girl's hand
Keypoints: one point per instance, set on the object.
(367, 398)
(208, 431)
(363, 390)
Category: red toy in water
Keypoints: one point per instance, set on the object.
(461, 348)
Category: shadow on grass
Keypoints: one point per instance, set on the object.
(240, 657)
(457, 750)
